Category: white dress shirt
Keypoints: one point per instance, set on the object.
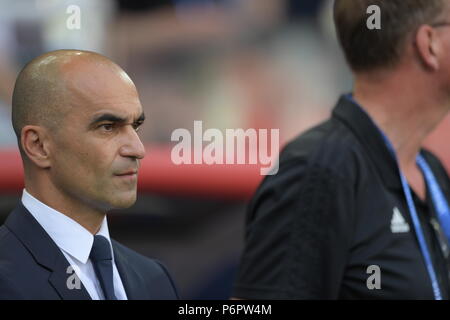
(75, 242)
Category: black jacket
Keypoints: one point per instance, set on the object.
(33, 267)
(334, 211)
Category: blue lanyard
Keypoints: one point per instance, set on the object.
(418, 228)
(439, 203)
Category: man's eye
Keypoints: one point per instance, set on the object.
(136, 126)
(107, 126)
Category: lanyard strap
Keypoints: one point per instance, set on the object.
(439, 202)
(429, 177)
(420, 237)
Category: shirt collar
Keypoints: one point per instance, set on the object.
(68, 234)
(354, 116)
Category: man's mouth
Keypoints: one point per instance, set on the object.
(130, 175)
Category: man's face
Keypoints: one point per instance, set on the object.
(96, 151)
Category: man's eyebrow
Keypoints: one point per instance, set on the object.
(114, 118)
(107, 117)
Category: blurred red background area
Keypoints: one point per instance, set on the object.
(158, 174)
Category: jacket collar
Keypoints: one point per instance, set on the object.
(359, 122)
(68, 235)
(45, 252)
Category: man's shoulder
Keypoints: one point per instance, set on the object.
(9, 243)
(14, 256)
(5, 235)
(328, 155)
(329, 145)
(15, 265)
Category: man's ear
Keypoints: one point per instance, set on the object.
(429, 46)
(35, 144)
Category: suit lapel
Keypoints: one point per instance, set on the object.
(45, 252)
(59, 279)
(131, 280)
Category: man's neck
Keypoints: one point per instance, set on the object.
(84, 215)
(403, 116)
(406, 117)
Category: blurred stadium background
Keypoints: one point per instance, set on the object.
(231, 64)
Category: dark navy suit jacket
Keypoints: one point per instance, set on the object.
(33, 267)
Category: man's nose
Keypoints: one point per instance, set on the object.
(132, 146)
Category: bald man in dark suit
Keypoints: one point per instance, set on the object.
(75, 114)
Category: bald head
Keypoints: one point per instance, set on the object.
(49, 86)
(76, 114)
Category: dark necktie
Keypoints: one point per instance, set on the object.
(102, 260)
